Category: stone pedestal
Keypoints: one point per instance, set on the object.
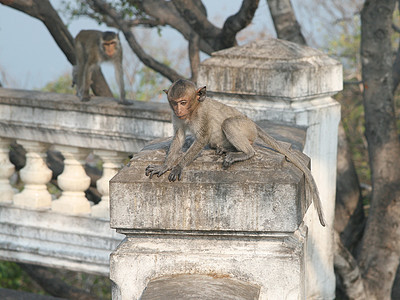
(241, 225)
(281, 81)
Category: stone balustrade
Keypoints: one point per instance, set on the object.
(42, 122)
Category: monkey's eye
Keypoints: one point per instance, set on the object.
(183, 103)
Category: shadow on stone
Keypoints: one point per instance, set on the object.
(199, 287)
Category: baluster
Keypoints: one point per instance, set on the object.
(6, 170)
(35, 176)
(112, 162)
(73, 181)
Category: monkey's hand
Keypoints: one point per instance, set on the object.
(228, 161)
(220, 151)
(156, 170)
(84, 98)
(125, 102)
(176, 173)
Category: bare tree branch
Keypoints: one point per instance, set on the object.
(45, 12)
(194, 56)
(237, 22)
(165, 12)
(145, 22)
(196, 19)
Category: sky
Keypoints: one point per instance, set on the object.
(29, 57)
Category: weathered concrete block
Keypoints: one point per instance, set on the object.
(272, 68)
(265, 193)
(273, 263)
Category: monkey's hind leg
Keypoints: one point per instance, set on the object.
(241, 133)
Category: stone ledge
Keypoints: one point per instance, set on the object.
(101, 123)
(79, 243)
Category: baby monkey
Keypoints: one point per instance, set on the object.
(222, 128)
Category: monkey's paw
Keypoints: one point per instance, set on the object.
(176, 173)
(156, 170)
(220, 151)
(85, 98)
(125, 102)
(228, 161)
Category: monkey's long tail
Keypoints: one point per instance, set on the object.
(293, 158)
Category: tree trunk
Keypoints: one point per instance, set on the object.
(285, 21)
(380, 249)
(349, 211)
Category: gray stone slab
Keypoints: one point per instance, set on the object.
(265, 193)
(47, 238)
(62, 119)
(272, 68)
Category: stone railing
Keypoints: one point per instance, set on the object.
(67, 231)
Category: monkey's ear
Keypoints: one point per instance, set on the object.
(201, 94)
(165, 91)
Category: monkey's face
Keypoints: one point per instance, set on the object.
(184, 98)
(110, 47)
(182, 107)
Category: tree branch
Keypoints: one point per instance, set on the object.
(165, 12)
(237, 22)
(45, 12)
(194, 56)
(197, 20)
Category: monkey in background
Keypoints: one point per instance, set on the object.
(92, 47)
(223, 128)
